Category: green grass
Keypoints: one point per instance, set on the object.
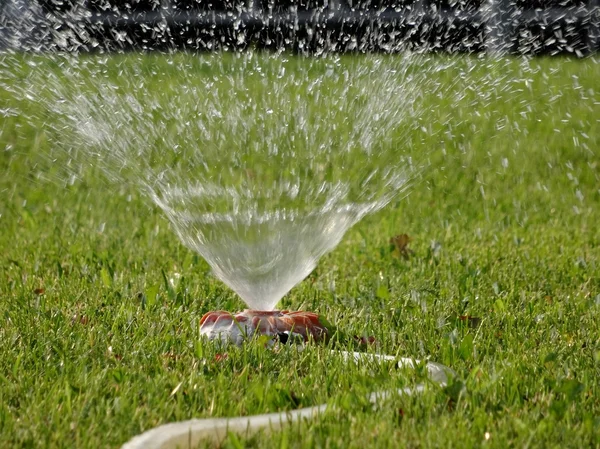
(95, 348)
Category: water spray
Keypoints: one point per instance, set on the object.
(257, 171)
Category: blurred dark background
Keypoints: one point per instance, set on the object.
(307, 26)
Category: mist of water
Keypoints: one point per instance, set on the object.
(261, 162)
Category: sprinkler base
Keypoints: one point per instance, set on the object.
(284, 326)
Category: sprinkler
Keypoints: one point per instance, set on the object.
(282, 325)
(223, 327)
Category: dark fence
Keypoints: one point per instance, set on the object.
(311, 26)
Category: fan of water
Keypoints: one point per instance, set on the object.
(260, 168)
(261, 162)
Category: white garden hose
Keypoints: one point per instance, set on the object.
(189, 434)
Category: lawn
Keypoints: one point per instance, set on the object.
(100, 302)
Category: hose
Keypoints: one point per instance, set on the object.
(189, 434)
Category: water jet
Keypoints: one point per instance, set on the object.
(260, 169)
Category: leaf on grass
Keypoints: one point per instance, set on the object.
(365, 341)
(39, 291)
(400, 246)
(465, 350)
(472, 322)
(105, 275)
(383, 292)
(400, 415)
(150, 294)
(118, 375)
(499, 306)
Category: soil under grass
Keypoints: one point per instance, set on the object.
(100, 303)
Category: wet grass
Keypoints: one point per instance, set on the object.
(100, 303)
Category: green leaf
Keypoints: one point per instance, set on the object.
(499, 306)
(465, 350)
(383, 292)
(105, 276)
(118, 375)
(151, 293)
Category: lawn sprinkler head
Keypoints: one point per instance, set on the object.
(282, 325)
